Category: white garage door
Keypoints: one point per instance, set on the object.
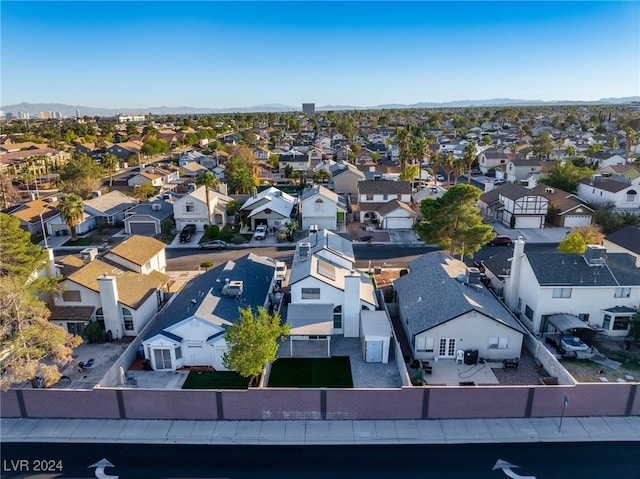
(528, 222)
(323, 223)
(145, 229)
(576, 221)
(398, 223)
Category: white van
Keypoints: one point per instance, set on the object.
(281, 269)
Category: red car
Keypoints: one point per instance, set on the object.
(501, 240)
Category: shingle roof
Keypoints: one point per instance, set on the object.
(394, 205)
(384, 187)
(607, 184)
(627, 237)
(561, 200)
(205, 290)
(111, 203)
(431, 295)
(327, 240)
(572, 270)
(138, 249)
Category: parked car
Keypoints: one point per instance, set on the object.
(261, 232)
(215, 244)
(501, 240)
(187, 232)
(440, 177)
(476, 171)
(572, 343)
(500, 181)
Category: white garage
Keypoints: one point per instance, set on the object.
(397, 215)
(576, 221)
(529, 222)
(323, 222)
(142, 225)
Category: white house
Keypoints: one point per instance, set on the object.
(444, 308)
(615, 190)
(589, 288)
(515, 206)
(379, 202)
(271, 207)
(192, 209)
(323, 208)
(122, 292)
(190, 332)
(110, 207)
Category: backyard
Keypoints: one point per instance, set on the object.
(586, 370)
(334, 372)
(215, 380)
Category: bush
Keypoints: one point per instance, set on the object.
(237, 239)
(389, 295)
(212, 232)
(94, 333)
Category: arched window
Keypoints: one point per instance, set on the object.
(631, 196)
(127, 317)
(319, 205)
(337, 317)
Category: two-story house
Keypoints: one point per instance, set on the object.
(322, 208)
(565, 209)
(614, 190)
(345, 177)
(386, 204)
(594, 290)
(271, 207)
(296, 160)
(192, 209)
(515, 206)
(521, 170)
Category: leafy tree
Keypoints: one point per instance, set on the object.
(206, 265)
(570, 151)
(612, 141)
(274, 162)
(409, 173)
(132, 129)
(80, 175)
(565, 176)
(212, 231)
(579, 238)
(71, 209)
(208, 180)
(144, 191)
(253, 341)
(19, 257)
(232, 207)
(453, 221)
(542, 145)
(239, 175)
(609, 221)
(9, 196)
(153, 146)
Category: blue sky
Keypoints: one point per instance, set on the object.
(239, 54)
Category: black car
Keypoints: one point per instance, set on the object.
(187, 232)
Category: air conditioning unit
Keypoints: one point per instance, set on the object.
(595, 255)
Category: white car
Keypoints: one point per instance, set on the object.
(261, 232)
(440, 177)
(571, 343)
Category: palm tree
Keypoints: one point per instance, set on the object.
(71, 209)
(208, 180)
(436, 162)
(403, 138)
(449, 164)
(110, 163)
(419, 150)
(470, 153)
(629, 135)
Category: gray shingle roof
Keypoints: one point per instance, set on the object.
(384, 187)
(627, 237)
(431, 295)
(572, 270)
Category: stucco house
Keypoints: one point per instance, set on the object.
(323, 208)
(271, 207)
(565, 209)
(110, 207)
(146, 218)
(444, 308)
(190, 332)
(521, 169)
(624, 240)
(515, 206)
(597, 289)
(345, 177)
(296, 160)
(386, 203)
(615, 190)
(121, 290)
(192, 209)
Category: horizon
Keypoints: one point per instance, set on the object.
(220, 55)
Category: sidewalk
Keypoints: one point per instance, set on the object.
(314, 432)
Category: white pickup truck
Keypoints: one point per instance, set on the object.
(260, 233)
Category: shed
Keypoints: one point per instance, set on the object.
(375, 336)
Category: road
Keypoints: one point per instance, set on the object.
(478, 461)
(388, 256)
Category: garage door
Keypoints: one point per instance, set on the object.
(145, 229)
(398, 223)
(528, 222)
(576, 221)
(323, 223)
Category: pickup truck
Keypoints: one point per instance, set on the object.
(187, 232)
(261, 232)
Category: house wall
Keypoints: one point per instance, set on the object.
(472, 331)
(198, 216)
(346, 182)
(157, 263)
(594, 195)
(323, 214)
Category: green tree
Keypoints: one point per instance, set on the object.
(232, 207)
(144, 191)
(71, 209)
(132, 129)
(453, 221)
(565, 176)
(208, 180)
(206, 265)
(579, 238)
(19, 257)
(252, 341)
(612, 141)
(153, 146)
(403, 138)
(81, 175)
(469, 155)
(542, 145)
(239, 175)
(570, 151)
(110, 163)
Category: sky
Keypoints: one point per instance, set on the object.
(146, 54)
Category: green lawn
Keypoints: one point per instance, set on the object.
(215, 380)
(332, 372)
(79, 242)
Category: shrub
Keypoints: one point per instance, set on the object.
(212, 231)
(389, 295)
(94, 333)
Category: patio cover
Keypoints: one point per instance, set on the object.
(565, 322)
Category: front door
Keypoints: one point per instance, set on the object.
(447, 348)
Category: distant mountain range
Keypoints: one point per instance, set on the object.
(70, 110)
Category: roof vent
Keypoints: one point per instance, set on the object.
(549, 190)
(595, 255)
(232, 288)
(304, 250)
(156, 206)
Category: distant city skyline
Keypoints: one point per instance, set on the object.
(240, 54)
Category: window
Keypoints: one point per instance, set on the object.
(606, 323)
(621, 323)
(399, 197)
(631, 196)
(369, 197)
(319, 205)
(385, 197)
(100, 318)
(424, 345)
(584, 317)
(128, 319)
(310, 293)
(498, 343)
(528, 312)
(561, 293)
(337, 317)
(190, 207)
(622, 293)
(71, 296)
(178, 353)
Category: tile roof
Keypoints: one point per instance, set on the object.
(431, 294)
(384, 187)
(138, 249)
(133, 288)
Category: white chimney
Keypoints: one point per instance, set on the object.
(512, 282)
(109, 302)
(351, 307)
(52, 272)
